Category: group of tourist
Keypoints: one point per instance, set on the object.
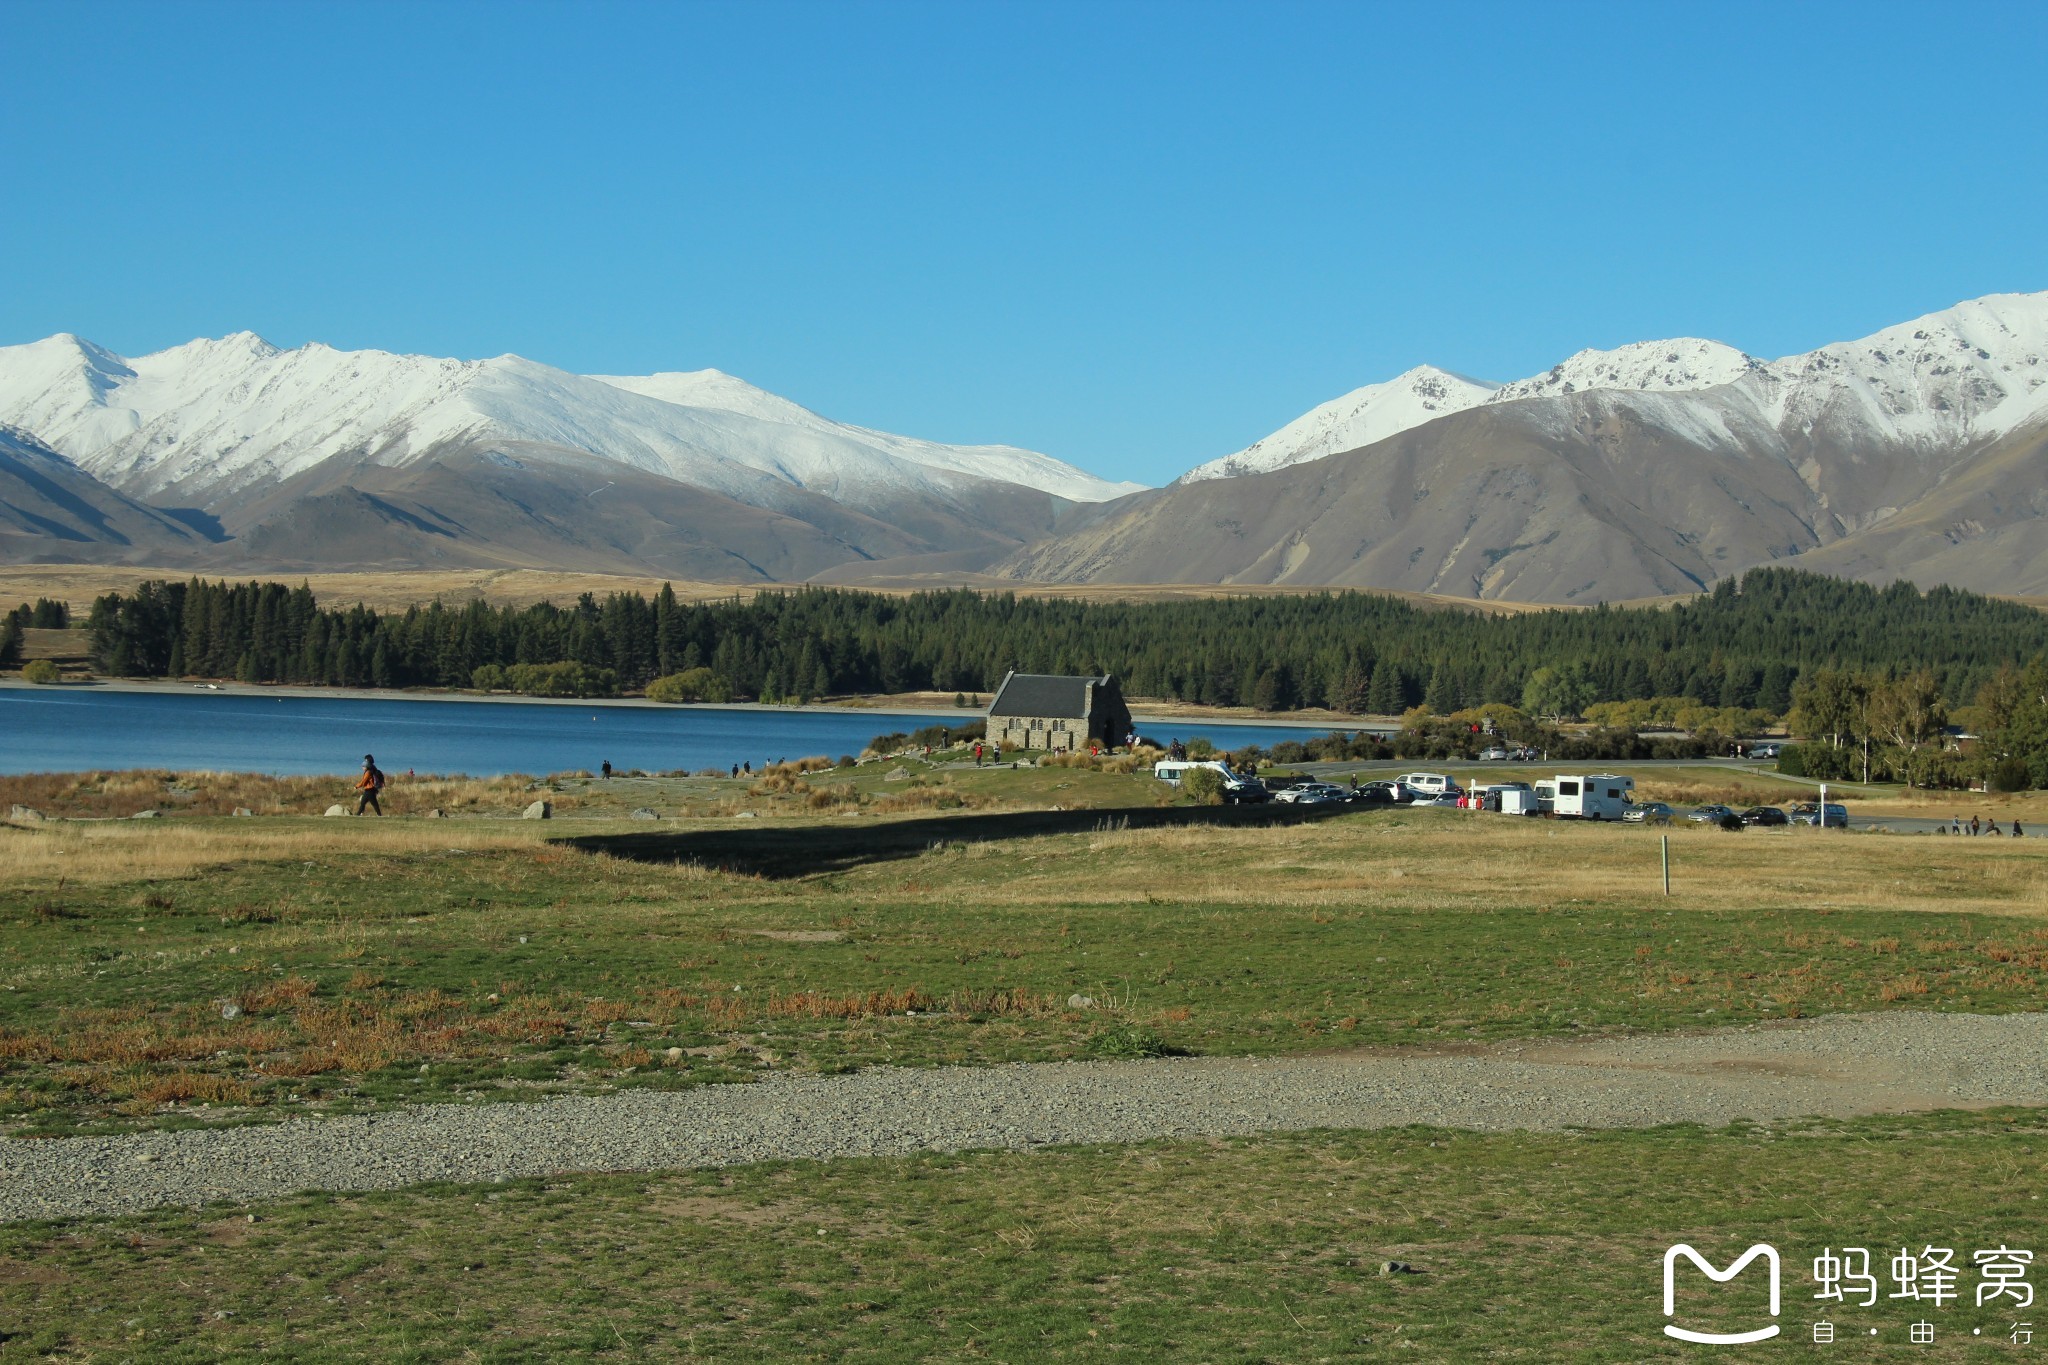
(1955, 825)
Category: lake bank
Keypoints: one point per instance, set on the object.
(325, 732)
(933, 712)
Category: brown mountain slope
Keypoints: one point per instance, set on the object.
(1985, 529)
(490, 509)
(1551, 501)
(53, 512)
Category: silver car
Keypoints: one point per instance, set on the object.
(1310, 794)
(1647, 813)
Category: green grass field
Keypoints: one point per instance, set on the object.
(1525, 1247)
(513, 959)
(202, 970)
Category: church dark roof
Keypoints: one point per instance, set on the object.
(1041, 694)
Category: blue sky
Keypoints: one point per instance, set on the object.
(1135, 236)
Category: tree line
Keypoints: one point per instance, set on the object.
(1743, 647)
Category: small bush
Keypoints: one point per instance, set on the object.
(1204, 786)
(1129, 1041)
(41, 671)
(2009, 775)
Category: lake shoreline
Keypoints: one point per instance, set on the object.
(930, 714)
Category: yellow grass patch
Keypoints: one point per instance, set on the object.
(118, 851)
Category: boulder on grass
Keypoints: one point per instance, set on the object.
(646, 814)
(539, 810)
(337, 810)
(26, 815)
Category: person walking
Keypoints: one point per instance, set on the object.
(1996, 830)
(2017, 832)
(1955, 824)
(606, 769)
(1975, 828)
(368, 785)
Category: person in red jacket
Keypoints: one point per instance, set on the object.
(368, 785)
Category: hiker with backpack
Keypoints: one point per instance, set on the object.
(368, 785)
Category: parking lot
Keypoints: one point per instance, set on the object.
(1468, 772)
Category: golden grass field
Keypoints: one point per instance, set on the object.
(1426, 859)
(396, 590)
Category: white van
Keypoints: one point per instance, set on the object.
(1591, 796)
(1171, 770)
(1428, 785)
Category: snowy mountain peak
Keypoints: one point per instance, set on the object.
(1970, 372)
(214, 417)
(1359, 418)
(712, 389)
(1978, 368)
(1677, 366)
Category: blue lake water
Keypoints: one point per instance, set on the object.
(74, 729)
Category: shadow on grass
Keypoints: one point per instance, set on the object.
(805, 850)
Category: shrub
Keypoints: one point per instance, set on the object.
(1129, 1041)
(690, 685)
(2009, 775)
(41, 671)
(1203, 785)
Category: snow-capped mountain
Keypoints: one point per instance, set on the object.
(1660, 467)
(718, 391)
(211, 418)
(1681, 365)
(1359, 418)
(1974, 371)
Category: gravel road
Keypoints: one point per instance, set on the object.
(1838, 1066)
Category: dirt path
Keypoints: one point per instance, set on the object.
(1839, 1066)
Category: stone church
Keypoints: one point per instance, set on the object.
(1059, 715)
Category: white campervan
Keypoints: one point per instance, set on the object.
(1590, 796)
(1172, 770)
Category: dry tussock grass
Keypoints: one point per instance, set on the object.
(1458, 861)
(104, 795)
(1142, 760)
(120, 851)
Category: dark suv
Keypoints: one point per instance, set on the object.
(1764, 815)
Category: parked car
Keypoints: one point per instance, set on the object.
(1393, 791)
(1647, 813)
(1494, 755)
(1807, 813)
(1764, 815)
(1709, 815)
(1245, 793)
(1311, 794)
(1448, 801)
(1372, 793)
